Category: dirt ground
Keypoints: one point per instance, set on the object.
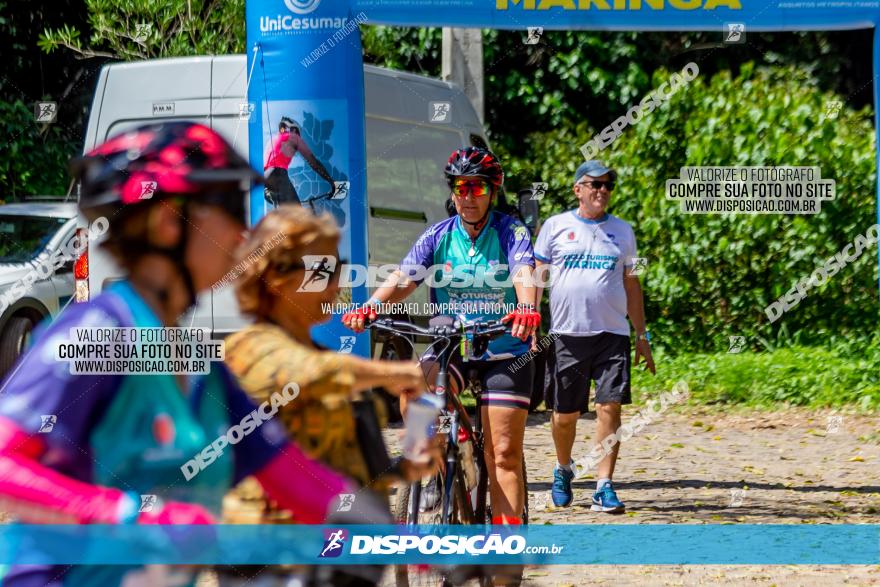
(705, 466)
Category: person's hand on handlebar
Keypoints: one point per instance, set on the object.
(358, 319)
(526, 321)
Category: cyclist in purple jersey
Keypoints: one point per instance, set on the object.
(485, 245)
(109, 440)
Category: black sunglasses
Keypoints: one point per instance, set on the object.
(597, 185)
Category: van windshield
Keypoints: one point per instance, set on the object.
(22, 238)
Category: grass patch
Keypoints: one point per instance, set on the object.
(847, 374)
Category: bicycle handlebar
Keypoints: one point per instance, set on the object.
(488, 330)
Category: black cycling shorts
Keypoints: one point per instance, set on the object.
(574, 362)
(504, 384)
(278, 189)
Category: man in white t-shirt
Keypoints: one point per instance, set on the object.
(593, 293)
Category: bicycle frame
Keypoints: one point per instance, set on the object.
(455, 415)
(457, 419)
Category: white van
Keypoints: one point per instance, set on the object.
(406, 190)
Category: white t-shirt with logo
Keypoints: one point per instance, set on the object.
(587, 295)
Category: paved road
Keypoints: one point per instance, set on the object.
(702, 466)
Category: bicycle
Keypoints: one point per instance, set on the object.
(330, 202)
(326, 202)
(463, 486)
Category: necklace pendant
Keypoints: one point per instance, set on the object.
(472, 252)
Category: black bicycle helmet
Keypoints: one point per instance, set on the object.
(158, 161)
(474, 162)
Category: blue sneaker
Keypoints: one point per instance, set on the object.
(605, 500)
(561, 492)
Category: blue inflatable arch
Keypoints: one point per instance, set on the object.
(305, 62)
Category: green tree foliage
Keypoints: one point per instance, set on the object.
(711, 276)
(146, 29)
(570, 77)
(34, 161)
(33, 156)
(406, 49)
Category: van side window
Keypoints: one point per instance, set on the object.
(405, 174)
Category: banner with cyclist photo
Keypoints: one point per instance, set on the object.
(304, 158)
(305, 93)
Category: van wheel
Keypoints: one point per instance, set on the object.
(394, 349)
(13, 341)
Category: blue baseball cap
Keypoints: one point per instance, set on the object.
(593, 169)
